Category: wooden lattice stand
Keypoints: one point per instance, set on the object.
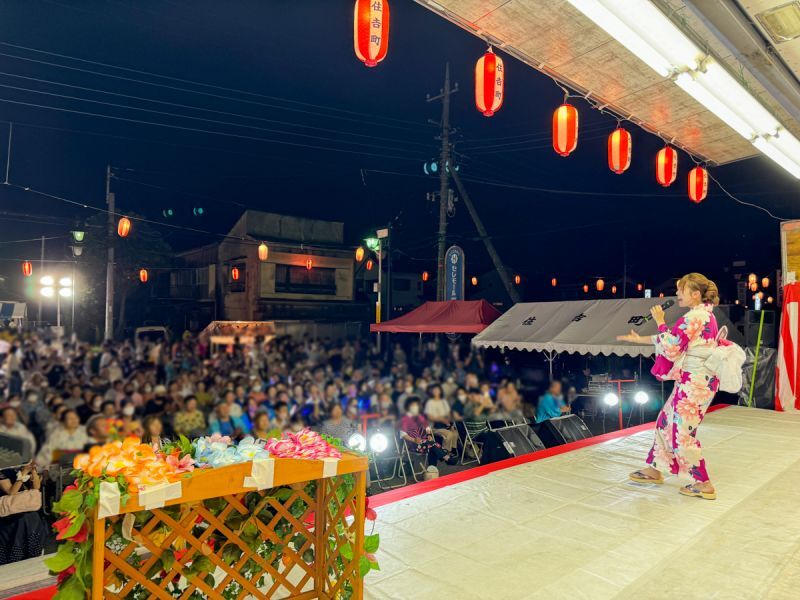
(301, 538)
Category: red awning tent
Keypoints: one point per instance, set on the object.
(450, 316)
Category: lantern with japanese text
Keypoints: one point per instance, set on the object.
(765, 282)
(489, 80)
(565, 129)
(359, 254)
(585, 288)
(309, 264)
(425, 276)
(517, 279)
(124, 227)
(600, 285)
(474, 281)
(143, 275)
(235, 273)
(263, 252)
(666, 166)
(698, 184)
(27, 268)
(369, 265)
(619, 150)
(554, 282)
(371, 31)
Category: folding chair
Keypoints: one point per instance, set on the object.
(391, 454)
(407, 455)
(473, 429)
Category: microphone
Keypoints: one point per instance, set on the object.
(664, 306)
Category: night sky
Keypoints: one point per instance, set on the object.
(263, 104)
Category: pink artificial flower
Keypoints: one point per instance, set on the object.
(180, 465)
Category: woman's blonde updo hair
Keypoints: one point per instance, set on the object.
(700, 283)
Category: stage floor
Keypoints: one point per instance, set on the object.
(573, 526)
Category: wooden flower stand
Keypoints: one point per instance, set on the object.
(301, 538)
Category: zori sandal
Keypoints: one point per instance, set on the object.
(693, 491)
(641, 477)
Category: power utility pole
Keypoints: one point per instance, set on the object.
(444, 188)
(109, 326)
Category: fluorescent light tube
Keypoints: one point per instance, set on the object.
(767, 148)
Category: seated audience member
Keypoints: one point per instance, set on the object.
(153, 428)
(23, 532)
(261, 426)
(338, 425)
(478, 406)
(227, 424)
(97, 430)
(281, 420)
(189, 421)
(508, 406)
(551, 404)
(417, 434)
(10, 425)
(437, 411)
(68, 435)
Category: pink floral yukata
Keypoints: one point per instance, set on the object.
(680, 354)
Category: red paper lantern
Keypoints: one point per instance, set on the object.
(263, 252)
(235, 273)
(639, 287)
(425, 276)
(554, 282)
(27, 268)
(124, 227)
(619, 150)
(489, 80)
(474, 281)
(698, 184)
(517, 279)
(753, 286)
(565, 129)
(369, 265)
(600, 285)
(143, 275)
(585, 288)
(359, 254)
(371, 31)
(751, 278)
(770, 300)
(613, 289)
(765, 282)
(661, 295)
(666, 166)
(309, 264)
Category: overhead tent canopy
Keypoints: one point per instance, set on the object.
(450, 316)
(584, 326)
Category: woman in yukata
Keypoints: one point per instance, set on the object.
(680, 354)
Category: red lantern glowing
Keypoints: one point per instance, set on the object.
(613, 289)
(753, 286)
(661, 295)
(235, 273)
(565, 129)
(751, 278)
(770, 300)
(263, 252)
(517, 279)
(27, 268)
(765, 282)
(124, 227)
(639, 287)
(474, 281)
(698, 184)
(619, 150)
(371, 31)
(309, 264)
(369, 265)
(585, 288)
(359, 254)
(600, 285)
(143, 275)
(554, 282)
(666, 166)
(425, 276)
(489, 81)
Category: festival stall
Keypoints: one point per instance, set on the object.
(212, 519)
(449, 316)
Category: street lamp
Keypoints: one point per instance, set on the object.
(375, 244)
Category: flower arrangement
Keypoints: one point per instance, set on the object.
(132, 465)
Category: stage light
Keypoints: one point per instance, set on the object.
(357, 442)
(47, 292)
(641, 397)
(65, 282)
(47, 280)
(378, 442)
(611, 399)
(65, 292)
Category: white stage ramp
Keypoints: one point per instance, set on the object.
(573, 526)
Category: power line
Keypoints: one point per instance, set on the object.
(160, 187)
(38, 239)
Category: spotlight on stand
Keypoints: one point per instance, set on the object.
(611, 399)
(641, 397)
(357, 442)
(378, 442)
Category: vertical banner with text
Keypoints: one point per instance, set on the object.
(454, 274)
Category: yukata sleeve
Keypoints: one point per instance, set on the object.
(670, 345)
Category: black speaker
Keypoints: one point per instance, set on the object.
(562, 430)
(517, 440)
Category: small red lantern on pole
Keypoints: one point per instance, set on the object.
(425, 276)
(27, 268)
(619, 150)
(517, 279)
(474, 281)
(698, 184)
(124, 227)
(143, 275)
(309, 264)
(371, 31)
(235, 273)
(489, 81)
(585, 288)
(263, 252)
(554, 282)
(600, 285)
(565, 129)
(369, 265)
(666, 166)
(639, 287)
(613, 289)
